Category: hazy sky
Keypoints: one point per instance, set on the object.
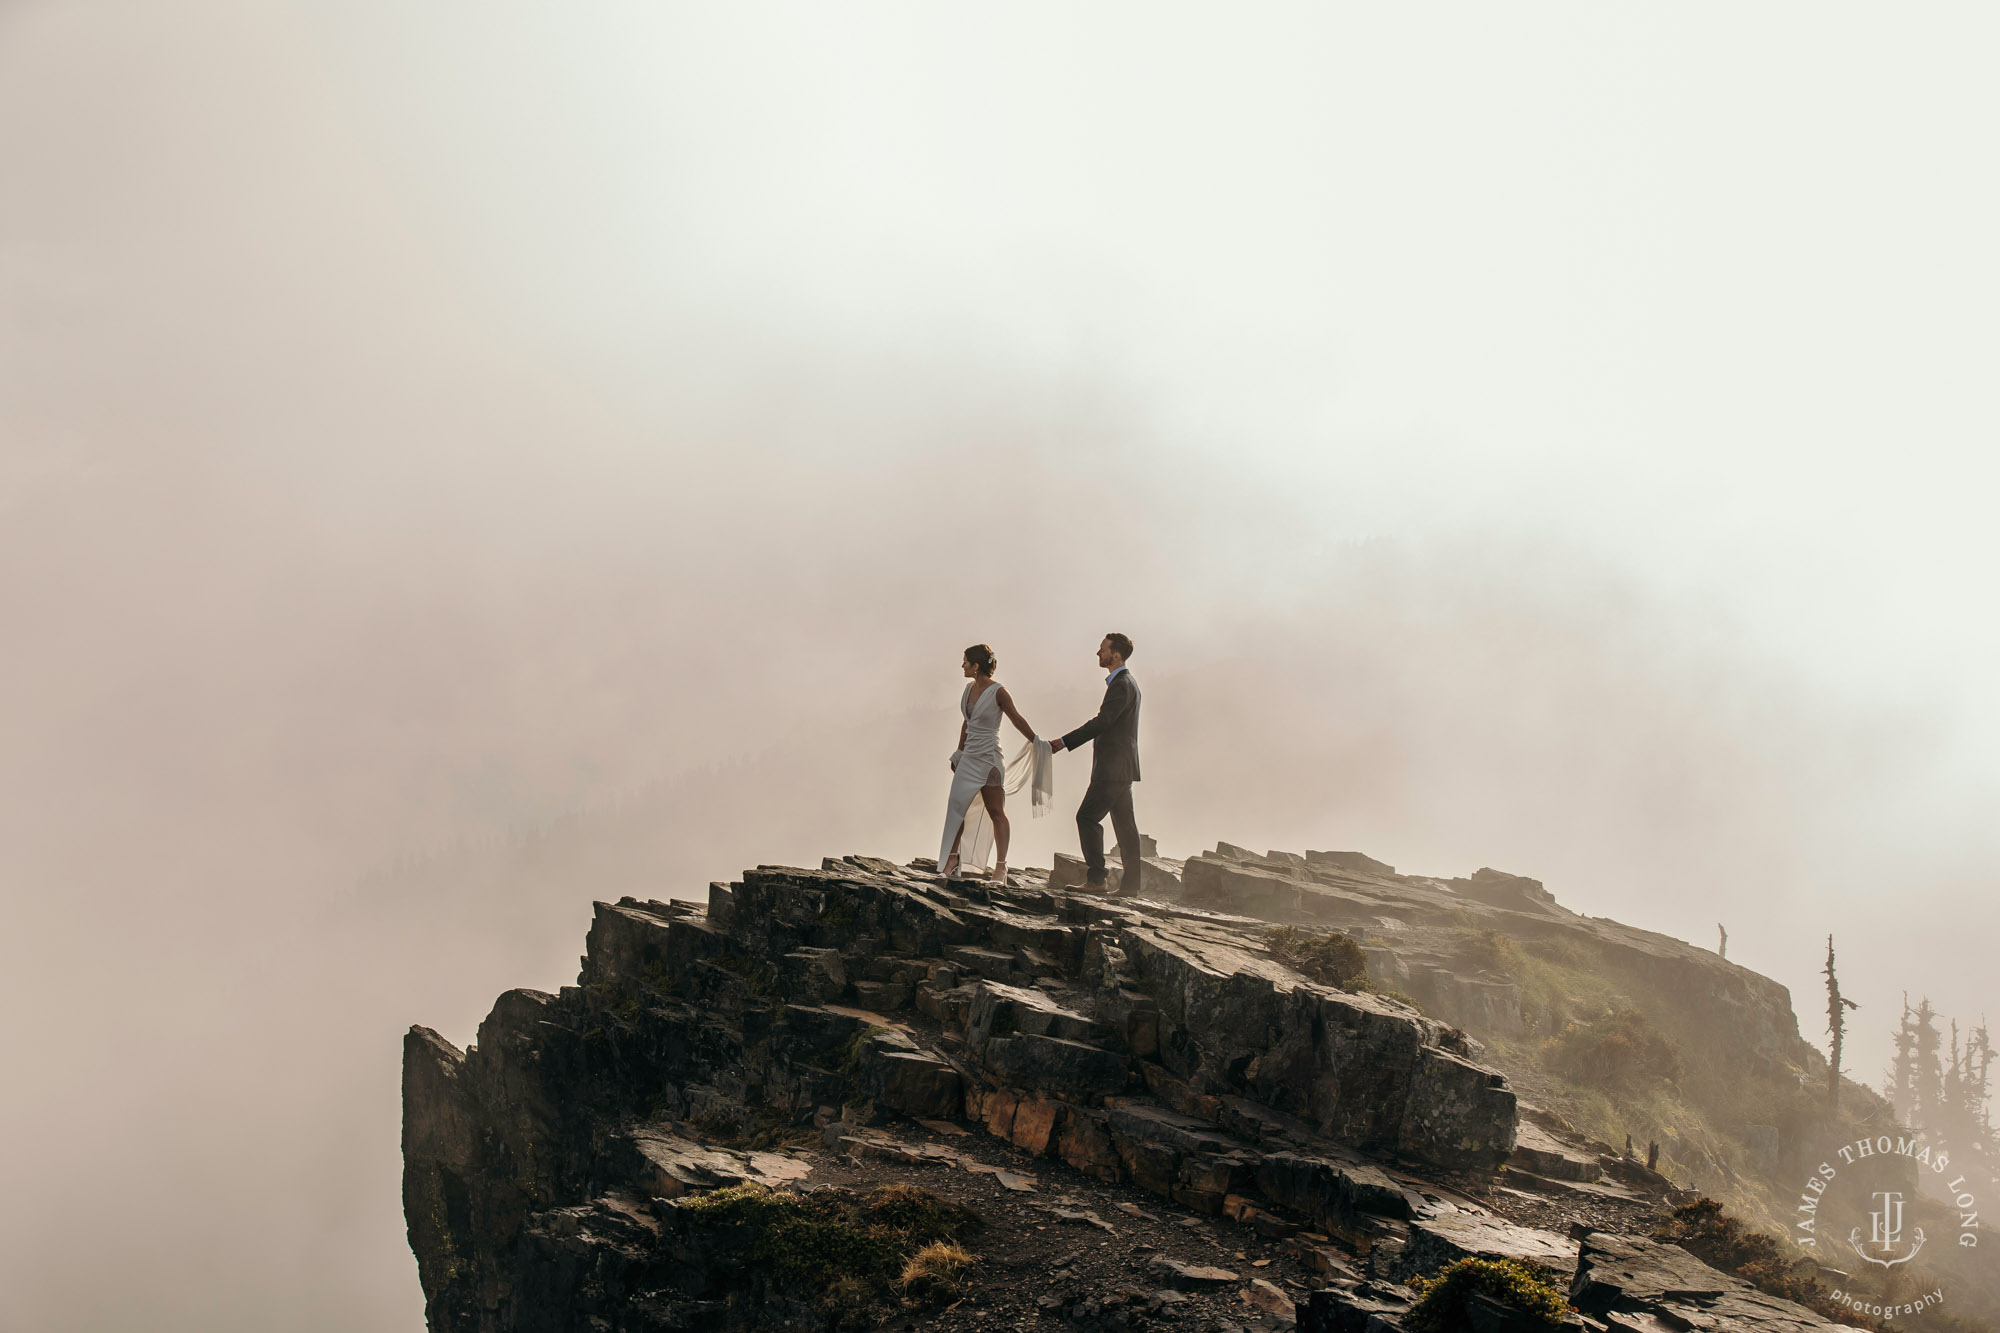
(1556, 437)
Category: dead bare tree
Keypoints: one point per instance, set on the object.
(1837, 1006)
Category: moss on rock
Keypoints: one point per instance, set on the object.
(1442, 1298)
(847, 1251)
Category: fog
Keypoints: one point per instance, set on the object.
(459, 463)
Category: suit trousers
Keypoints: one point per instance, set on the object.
(1114, 799)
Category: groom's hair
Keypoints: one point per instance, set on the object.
(1119, 644)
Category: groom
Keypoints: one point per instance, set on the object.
(1114, 767)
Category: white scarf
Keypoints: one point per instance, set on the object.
(1033, 767)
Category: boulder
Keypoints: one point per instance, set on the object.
(1265, 1295)
(993, 964)
(814, 975)
(1365, 1308)
(1331, 1194)
(881, 996)
(1188, 1277)
(1512, 891)
(662, 1164)
(1437, 1241)
(1271, 892)
(999, 1010)
(1483, 1002)
(1539, 1152)
(915, 1083)
(1073, 1069)
(1456, 1113)
(1365, 1070)
(1350, 862)
(1630, 1279)
(1140, 1120)
(1161, 878)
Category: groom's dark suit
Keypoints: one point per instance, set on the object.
(1114, 766)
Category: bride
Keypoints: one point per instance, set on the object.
(978, 768)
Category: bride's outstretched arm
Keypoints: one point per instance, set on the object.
(1014, 714)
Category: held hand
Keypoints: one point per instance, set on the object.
(1055, 745)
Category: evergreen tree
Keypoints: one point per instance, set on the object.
(1928, 1080)
(1941, 1082)
(1948, 1090)
(1901, 1085)
(1980, 1083)
(1955, 1116)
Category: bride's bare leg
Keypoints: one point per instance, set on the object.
(996, 810)
(950, 866)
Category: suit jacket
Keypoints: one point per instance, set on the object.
(1113, 734)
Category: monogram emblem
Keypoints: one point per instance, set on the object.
(1885, 1233)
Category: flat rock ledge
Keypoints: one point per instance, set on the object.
(1141, 1041)
(1617, 1284)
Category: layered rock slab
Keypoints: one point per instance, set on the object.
(1628, 1280)
(1364, 1070)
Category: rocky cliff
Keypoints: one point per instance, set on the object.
(621, 1155)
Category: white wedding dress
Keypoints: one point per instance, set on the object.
(981, 764)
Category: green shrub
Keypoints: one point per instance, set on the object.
(1620, 1049)
(1721, 1241)
(1491, 950)
(915, 1216)
(1332, 958)
(609, 997)
(847, 1250)
(1562, 952)
(1442, 1298)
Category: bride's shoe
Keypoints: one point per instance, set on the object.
(950, 868)
(999, 875)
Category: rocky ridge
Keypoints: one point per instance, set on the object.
(1402, 915)
(1137, 1065)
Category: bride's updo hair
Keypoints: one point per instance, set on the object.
(982, 659)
